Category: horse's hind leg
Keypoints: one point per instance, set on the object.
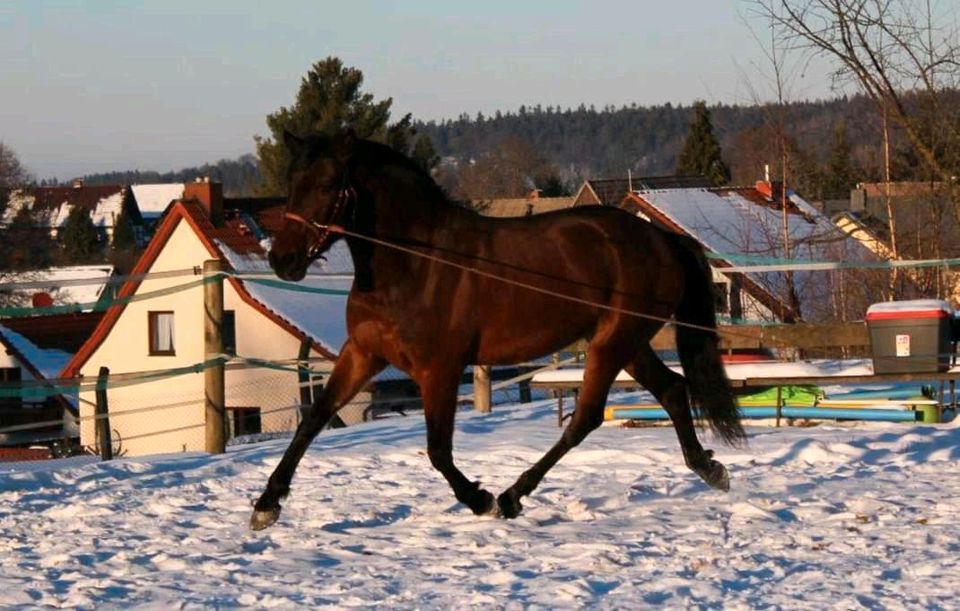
(670, 389)
(603, 364)
(352, 370)
(439, 408)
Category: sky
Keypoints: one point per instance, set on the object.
(118, 85)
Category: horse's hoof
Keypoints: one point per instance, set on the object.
(508, 505)
(714, 474)
(483, 503)
(263, 518)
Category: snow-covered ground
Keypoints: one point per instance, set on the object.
(831, 516)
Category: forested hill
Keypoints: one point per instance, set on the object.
(239, 176)
(589, 143)
(586, 142)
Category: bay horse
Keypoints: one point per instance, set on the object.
(437, 287)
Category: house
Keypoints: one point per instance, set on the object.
(34, 350)
(924, 219)
(738, 226)
(81, 287)
(611, 191)
(52, 206)
(152, 201)
(520, 206)
(158, 327)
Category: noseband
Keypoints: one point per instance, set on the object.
(322, 231)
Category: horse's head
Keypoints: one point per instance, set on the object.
(321, 198)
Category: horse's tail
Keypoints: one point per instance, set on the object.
(707, 382)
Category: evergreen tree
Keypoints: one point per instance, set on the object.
(329, 100)
(79, 237)
(424, 154)
(701, 153)
(25, 245)
(841, 174)
(124, 236)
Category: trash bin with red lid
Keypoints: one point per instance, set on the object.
(910, 336)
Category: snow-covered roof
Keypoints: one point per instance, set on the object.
(53, 279)
(48, 362)
(733, 221)
(153, 199)
(53, 204)
(321, 316)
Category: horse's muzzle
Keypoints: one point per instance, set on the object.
(291, 266)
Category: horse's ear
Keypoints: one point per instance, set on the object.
(293, 143)
(344, 144)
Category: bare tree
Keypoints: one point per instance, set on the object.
(901, 53)
(12, 174)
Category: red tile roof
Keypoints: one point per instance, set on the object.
(230, 235)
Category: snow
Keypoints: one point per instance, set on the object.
(911, 305)
(320, 316)
(54, 279)
(725, 222)
(742, 371)
(153, 199)
(48, 361)
(823, 517)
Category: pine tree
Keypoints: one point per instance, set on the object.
(424, 154)
(840, 174)
(26, 245)
(124, 237)
(79, 237)
(701, 153)
(329, 100)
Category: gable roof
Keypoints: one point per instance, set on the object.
(611, 191)
(153, 199)
(103, 202)
(744, 221)
(58, 282)
(219, 241)
(520, 206)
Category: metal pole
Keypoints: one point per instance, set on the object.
(481, 388)
(103, 416)
(214, 403)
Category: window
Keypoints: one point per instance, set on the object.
(246, 420)
(228, 331)
(161, 333)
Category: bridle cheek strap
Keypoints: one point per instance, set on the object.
(322, 231)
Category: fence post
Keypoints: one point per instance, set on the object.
(102, 413)
(214, 402)
(303, 378)
(525, 394)
(481, 388)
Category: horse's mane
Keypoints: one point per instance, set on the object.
(378, 153)
(374, 153)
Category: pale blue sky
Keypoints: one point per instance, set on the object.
(111, 85)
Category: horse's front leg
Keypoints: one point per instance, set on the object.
(603, 364)
(352, 370)
(439, 407)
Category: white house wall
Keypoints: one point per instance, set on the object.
(178, 422)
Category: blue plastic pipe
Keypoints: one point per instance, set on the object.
(890, 393)
(889, 415)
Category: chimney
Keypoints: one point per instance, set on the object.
(772, 190)
(209, 195)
